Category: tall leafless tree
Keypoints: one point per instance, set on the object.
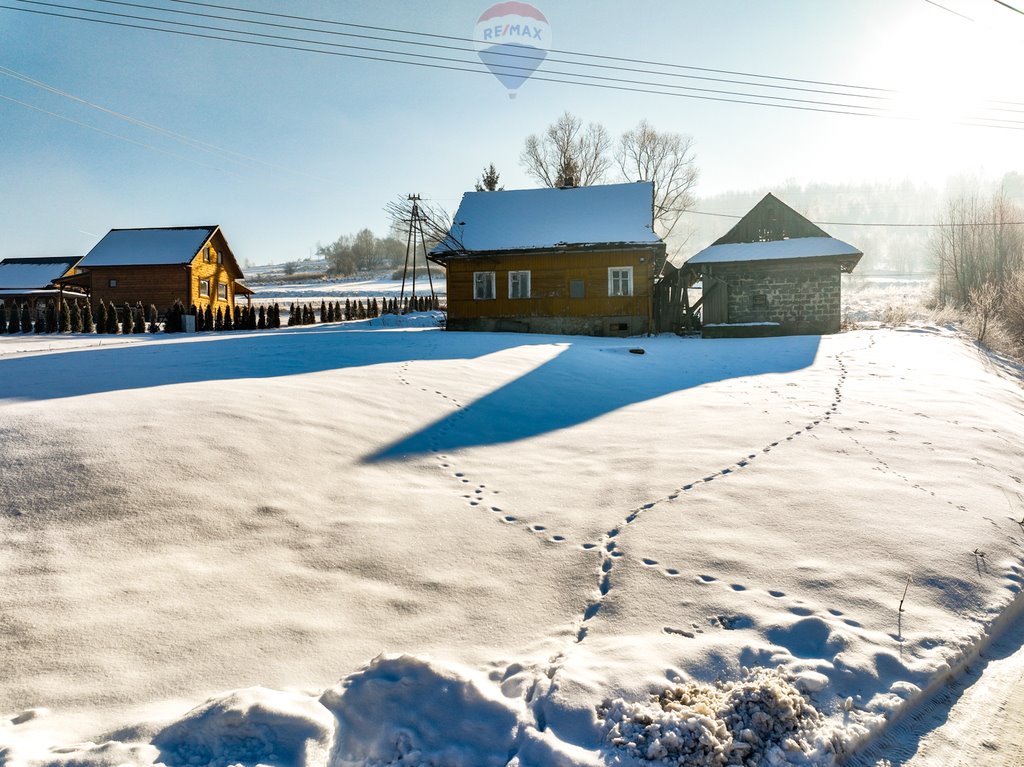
(568, 153)
(665, 159)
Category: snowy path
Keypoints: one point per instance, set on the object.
(975, 720)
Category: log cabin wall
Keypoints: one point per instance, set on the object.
(158, 285)
(569, 292)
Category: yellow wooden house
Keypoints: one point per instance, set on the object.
(194, 265)
(575, 260)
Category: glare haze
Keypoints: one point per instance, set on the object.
(316, 145)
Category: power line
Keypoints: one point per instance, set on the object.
(462, 49)
(627, 86)
(506, 68)
(1012, 8)
(875, 224)
(583, 54)
(228, 154)
(118, 136)
(948, 10)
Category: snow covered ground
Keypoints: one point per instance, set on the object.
(334, 290)
(525, 550)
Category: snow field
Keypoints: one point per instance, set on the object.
(559, 525)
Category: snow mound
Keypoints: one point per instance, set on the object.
(402, 710)
(250, 726)
(761, 719)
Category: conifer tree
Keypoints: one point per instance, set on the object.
(112, 323)
(51, 317)
(13, 321)
(277, 315)
(228, 322)
(209, 318)
(261, 322)
(101, 317)
(64, 318)
(154, 319)
(239, 317)
(200, 315)
(127, 321)
(374, 309)
(139, 318)
(323, 310)
(26, 318)
(88, 325)
(348, 310)
(76, 317)
(291, 315)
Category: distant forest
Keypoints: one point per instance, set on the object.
(886, 249)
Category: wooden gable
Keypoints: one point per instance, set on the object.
(769, 220)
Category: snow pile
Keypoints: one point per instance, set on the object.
(251, 726)
(761, 719)
(402, 710)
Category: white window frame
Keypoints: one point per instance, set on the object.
(520, 277)
(483, 280)
(206, 254)
(615, 276)
(222, 287)
(206, 284)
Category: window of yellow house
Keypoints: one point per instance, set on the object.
(204, 287)
(222, 291)
(206, 254)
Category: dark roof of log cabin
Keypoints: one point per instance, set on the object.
(773, 231)
(161, 246)
(34, 273)
(551, 219)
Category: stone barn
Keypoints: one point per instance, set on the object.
(774, 273)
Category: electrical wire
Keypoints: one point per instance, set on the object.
(627, 86)
(194, 143)
(119, 136)
(873, 224)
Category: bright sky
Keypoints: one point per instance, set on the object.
(323, 142)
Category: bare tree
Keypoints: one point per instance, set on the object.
(978, 243)
(665, 159)
(567, 153)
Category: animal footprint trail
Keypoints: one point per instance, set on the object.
(480, 497)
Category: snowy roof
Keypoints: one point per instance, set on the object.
(31, 273)
(146, 247)
(775, 250)
(532, 219)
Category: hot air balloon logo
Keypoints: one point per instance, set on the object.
(512, 40)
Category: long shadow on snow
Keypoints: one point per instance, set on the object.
(167, 360)
(593, 377)
(589, 378)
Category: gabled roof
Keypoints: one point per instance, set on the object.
(34, 273)
(539, 219)
(775, 250)
(148, 247)
(773, 231)
(770, 219)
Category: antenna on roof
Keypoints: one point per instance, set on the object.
(416, 227)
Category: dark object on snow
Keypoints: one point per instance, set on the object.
(637, 350)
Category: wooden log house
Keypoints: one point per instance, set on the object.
(158, 266)
(573, 260)
(31, 280)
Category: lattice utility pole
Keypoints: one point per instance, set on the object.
(415, 225)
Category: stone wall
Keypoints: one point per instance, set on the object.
(803, 299)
